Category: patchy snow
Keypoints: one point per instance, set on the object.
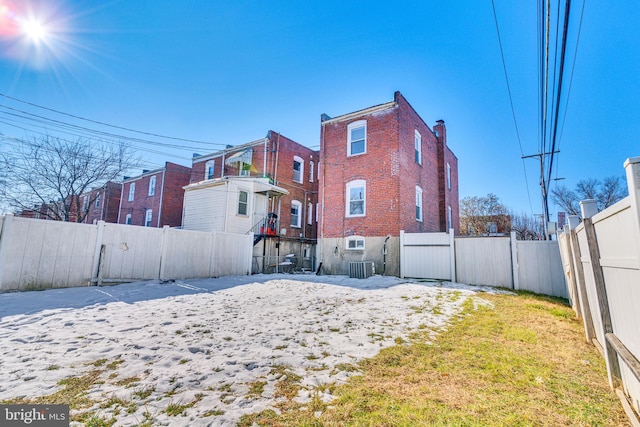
(208, 341)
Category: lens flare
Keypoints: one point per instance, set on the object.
(34, 30)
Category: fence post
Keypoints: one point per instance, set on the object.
(632, 169)
(452, 254)
(4, 243)
(611, 357)
(402, 257)
(163, 253)
(576, 261)
(212, 262)
(96, 253)
(514, 261)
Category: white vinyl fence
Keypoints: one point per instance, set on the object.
(534, 266)
(601, 259)
(40, 254)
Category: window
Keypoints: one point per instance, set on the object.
(356, 198)
(450, 217)
(85, 200)
(243, 203)
(148, 217)
(317, 212)
(296, 210)
(298, 169)
(98, 200)
(357, 138)
(418, 203)
(310, 214)
(355, 243)
(152, 185)
(127, 219)
(311, 164)
(418, 147)
(132, 191)
(448, 176)
(491, 227)
(209, 169)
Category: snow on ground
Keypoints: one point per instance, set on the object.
(221, 344)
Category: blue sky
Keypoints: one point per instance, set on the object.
(227, 72)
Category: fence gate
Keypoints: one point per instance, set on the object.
(427, 256)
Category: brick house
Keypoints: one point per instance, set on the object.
(383, 170)
(154, 198)
(268, 186)
(102, 204)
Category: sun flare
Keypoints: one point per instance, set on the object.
(34, 30)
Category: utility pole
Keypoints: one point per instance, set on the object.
(543, 187)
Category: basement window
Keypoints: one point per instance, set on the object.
(355, 243)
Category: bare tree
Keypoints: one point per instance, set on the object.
(606, 193)
(526, 227)
(54, 172)
(476, 212)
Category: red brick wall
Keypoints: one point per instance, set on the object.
(109, 204)
(391, 174)
(170, 194)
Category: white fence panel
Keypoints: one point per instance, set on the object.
(132, 252)
(426, 255)
(37, 252)
(232, 254)
(484, 261)
(540, 268)
(187, 254)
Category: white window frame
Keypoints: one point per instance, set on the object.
(298, 223)
(353, 185)
(152, 185)
(127, 219)
(317, 211)
(419, 210)
(241, 202)
(311, 171)
(418, 147)
(132, 191)
(298, 175)
(450, 217)
(355, 243)
(209, 165)
(448, 176)
(310, 213)
(350, 129)
(148, 218)
(97, 204)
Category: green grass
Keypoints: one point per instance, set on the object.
(521, 361)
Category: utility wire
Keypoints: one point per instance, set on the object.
(513, 111)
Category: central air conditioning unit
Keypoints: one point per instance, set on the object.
(361, 269)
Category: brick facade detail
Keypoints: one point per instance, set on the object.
(165, 202)
(391, 173)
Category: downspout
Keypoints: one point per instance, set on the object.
(275, 172)
(264, 159)
(161, 196)
(384, 255)
(120, 204)
(226, 211)
(321, 187)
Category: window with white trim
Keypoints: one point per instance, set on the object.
(355, 243)
(311, 172)
(85, 200)
(356, 198)
(317, 211)
(209, 169)
(132, 191)
(148, 217)
(448, 176)
(243, 203)
(357, 138)
(310, 214)
(418, 203)
(296, 214)
(152, 185)
(418, 147)
(98, 200)
(450, 217)
(127, 219)
(298, 169)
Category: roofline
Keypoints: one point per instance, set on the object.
(227, 150)
(364, 112)
(147, 173)
(220, 181)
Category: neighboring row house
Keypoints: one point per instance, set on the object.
(268, 187)
(154, 199)
(102, 204)
(383, 170)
